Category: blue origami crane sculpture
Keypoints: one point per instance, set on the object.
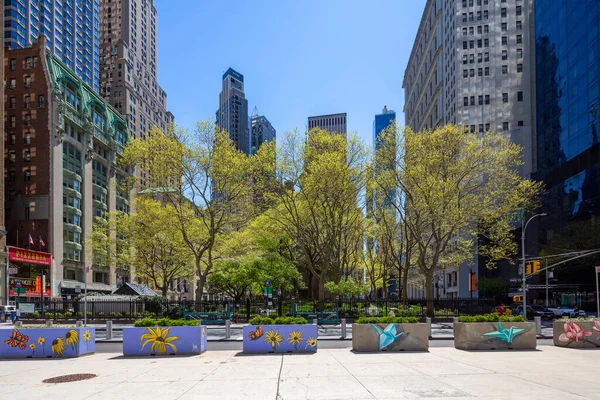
(388, 335)
(505, 334)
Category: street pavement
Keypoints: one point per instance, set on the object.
(442, 373)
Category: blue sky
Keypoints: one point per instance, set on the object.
(298, 57)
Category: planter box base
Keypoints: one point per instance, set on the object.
(267, 339)
(47, 342)
(390, 337)
(164, 341)
(576, 334)
(495, 336)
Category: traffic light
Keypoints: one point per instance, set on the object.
(528, 269)
(536, 266)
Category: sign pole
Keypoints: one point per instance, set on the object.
(85, 296)
(547, 272)
(7, 277)
(597, 293)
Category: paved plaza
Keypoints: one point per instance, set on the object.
(444, 372)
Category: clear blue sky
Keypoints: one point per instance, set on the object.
(298, 57)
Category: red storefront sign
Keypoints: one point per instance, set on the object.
(29, 256)
(29, 284)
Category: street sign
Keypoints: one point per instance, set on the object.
(598, 269)
(27, 307)
(19, 283)
(267, 283)
(19, 291)
(13, 270)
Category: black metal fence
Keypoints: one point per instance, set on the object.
(101, 309)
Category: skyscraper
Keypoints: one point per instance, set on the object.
(567, 48)
(232, 115)
(71, 27)
(261, 131)
(3, 252)
(334, 123)
(381, 122)
(128, 58)
(471, 65)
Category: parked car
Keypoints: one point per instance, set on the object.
(566, 311)
(518, 310)
(539, 311)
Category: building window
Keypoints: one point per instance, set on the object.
(471, 31)
(519, 96)
(519, 25)
(478, 15)
(12, 155)
(480, 100)
(479, 71)
(504, 40)
(465, 103)
(41, 101)
(487, 127)
(503, 27)
(13, 64)
(479, 43)
(519, 39)
(472, 100)
(12, 178)
(505, 126)
(27, 156)
(465, 45)
(505, 97)
(479, 29)
(471, 58)
(519, 123)
(13, 139)
(487, 99)
(465, 73)
(13, 121)
(35, 61)
(27, 119)
(27, 212)
(486, 57)
(13, 83)
(470, 16)
(27, 175)
(519, 53)
(27, 101)
(472, 72)
(12, 102)
(27, 62)
(485, 14)
(486, 29)
(486, 42)
(519, 67)
(519, 11)
(480, 128)
(471, 44)
(504, 69)
(479, 57)
(503, 12)
(27, 81)
(504, 54)
(27, 138)
(464, 31)
(486, 71)
(464, 17)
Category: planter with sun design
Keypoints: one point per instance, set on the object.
(38, 342)
(296, 338)
(164, 340)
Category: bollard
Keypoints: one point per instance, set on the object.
(109, 330)
(227, 329)
(343, 320)
(49, 323)
(18, 323)
(79, 324)
(428, 320)
(538, 325)
(315, 321)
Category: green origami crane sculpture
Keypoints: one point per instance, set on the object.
(506, 335)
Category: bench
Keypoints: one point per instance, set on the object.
(207, 318)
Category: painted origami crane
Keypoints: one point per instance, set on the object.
(388, 335)
(505, 334)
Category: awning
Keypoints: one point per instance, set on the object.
(91, 287)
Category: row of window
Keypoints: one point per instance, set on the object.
(486, 127)
(485, 99)
(29, 62)
(13, 82)
(12, 102)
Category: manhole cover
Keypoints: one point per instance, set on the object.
(69, 378)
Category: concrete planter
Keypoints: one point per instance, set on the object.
(47, 342)
(390, 337)
(280, 338)
(495, 335)
(164, 340)
(576, 334)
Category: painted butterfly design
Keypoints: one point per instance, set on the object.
(254, 335)
(17, 339)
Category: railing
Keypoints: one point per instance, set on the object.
(327, 312)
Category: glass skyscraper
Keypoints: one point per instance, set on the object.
(71, 27)
(567, 48)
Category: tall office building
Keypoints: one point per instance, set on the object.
(567, 85)
(232, 115)
(3, 253)
(63, 141)
(70, 26)
(381, 122)
(128, 64)
(261, 131)
(471, 65)
(334, 123)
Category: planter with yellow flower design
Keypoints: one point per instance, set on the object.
(164, 340)
(277, 338)
(37, 342)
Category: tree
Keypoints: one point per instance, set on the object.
(346, 287)
(455, 187)
(160, 253)
(491, 287)
(318, 206)
(205, 180)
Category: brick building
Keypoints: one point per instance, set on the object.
(63, 141)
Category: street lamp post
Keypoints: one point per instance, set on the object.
(523, 275)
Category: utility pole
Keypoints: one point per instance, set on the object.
(547, 272)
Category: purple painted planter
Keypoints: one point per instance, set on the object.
(280, 338)
(47, 342)
(164, 340)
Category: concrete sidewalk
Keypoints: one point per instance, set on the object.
(548, 373)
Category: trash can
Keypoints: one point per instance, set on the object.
(2, 316)
(13, 316)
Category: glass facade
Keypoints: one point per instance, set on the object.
(567, 45)
(72, 29)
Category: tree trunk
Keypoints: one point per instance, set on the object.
(164, 291)
(405, 285)
(429, 292)
(200, 288)
(321, 295)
